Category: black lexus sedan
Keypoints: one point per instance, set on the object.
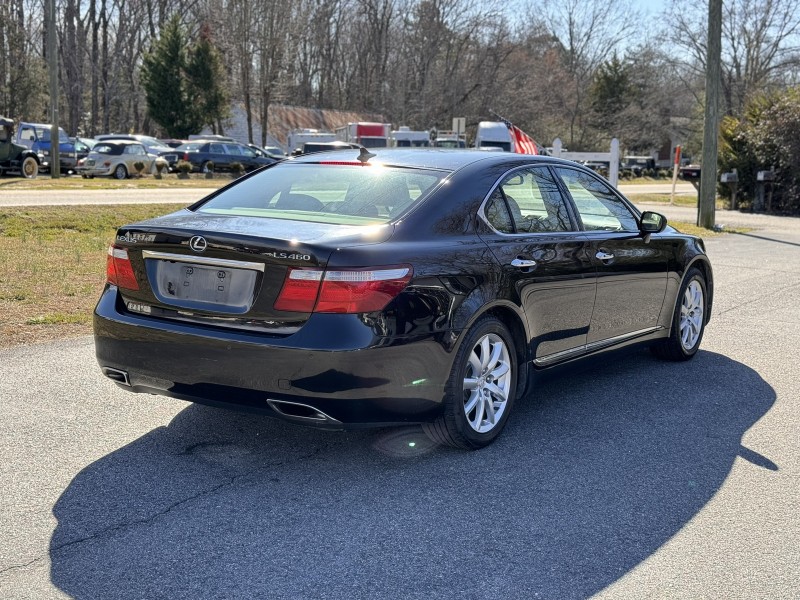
(410, 286)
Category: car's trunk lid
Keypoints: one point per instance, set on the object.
(227, 270)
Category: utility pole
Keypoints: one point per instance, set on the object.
(52, 66)
(708, 174)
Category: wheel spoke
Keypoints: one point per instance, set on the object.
(497, 351)
(474, 397)
(475, 364)
(490, 414)
(501, 370)
(486, 350)
(497, 392)
(476, 423)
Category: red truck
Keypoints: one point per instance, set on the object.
(369, 135)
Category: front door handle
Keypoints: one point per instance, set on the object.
(523, 263)
(604, 256)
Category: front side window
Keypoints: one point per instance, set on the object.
(326, 193)
(532, 202)
(600, 209)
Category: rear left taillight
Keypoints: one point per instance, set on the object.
(342, 291)
(119, 270)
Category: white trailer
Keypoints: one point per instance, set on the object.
(404, 137)
(298, 137)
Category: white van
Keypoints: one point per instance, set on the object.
(493, 134)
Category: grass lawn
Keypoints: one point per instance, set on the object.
(53, 264)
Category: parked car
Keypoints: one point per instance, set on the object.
(418, 287)
(172, 143)
(152, 145)
(115, 158)
(36, 136)
(638, 165)
(16, 158)
(205, 153)
(269, 152)
(82, 147)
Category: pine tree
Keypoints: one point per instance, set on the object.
(205, 75)
(169, 100)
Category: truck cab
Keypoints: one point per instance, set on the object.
(15, 158)
(36, 136)
(493, 134)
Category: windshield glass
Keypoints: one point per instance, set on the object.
(326, 193)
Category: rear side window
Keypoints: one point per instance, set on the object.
(528, 201)
(346, 194)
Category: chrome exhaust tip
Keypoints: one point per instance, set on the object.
(116, 375)
(298, 410)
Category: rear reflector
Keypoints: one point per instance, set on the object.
(300, 289)
(342, 291)
(119, 270)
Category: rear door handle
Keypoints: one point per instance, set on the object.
(604, 256)
(523, 263)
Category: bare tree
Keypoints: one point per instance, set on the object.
(589, 32)
(760, 45)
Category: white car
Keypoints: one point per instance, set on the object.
(116, 158)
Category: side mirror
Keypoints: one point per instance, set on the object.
(652, 222)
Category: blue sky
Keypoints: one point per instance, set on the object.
(651, 6)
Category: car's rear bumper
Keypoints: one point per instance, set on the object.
(347, 372)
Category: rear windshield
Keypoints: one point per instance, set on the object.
(102, 148)
(333, 193)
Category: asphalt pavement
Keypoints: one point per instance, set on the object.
(635, 478)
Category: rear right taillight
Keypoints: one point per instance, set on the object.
(342, 291)
(119, 270)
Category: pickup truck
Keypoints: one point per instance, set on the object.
(36, 136)
(15, 158)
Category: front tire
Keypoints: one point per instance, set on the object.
(688, 320)
(120, 172)
(29, 167)
(480, 391)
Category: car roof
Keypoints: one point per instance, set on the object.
(120, 142)
(431, 158)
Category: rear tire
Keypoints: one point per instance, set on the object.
(120, 172)
(29, 168)
(688, 320)
(479, 393)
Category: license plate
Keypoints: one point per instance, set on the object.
(89, 163)
(203, 284)
(196, 285)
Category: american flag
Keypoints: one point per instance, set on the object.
(523, 143)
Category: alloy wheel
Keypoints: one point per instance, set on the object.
(691, 324)
(487, 383)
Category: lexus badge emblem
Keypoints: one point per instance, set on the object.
(198, 243)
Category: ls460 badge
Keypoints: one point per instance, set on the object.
(132, 238)
(288, 256)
